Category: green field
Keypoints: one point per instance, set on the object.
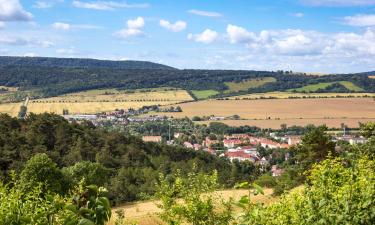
(314, 87)
(204, 94)
(247, 84)
(351, 86)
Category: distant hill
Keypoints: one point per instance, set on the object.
(55, 76)
(77, 62)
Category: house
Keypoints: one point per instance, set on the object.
(188, 145)
(208, 142)
(197, 147)
(294, 140)
(230, 143)
(240, 156)
(156, 139)
(177, 135)
(276, 172)
(357, 140)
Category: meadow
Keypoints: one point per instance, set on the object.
(247, 84)
(314, 87)
(204, 94)
(286, 95)
(95, 101)
(274, 112)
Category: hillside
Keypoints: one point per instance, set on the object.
(77, 62)
(46, 77)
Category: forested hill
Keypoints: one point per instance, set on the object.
(53, 76)
(77, 62)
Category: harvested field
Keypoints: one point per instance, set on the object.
(286, 95)
(145, 213)
(276, 124)
(372, 77)
(273, 111)
(96, 101)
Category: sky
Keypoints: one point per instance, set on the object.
(325, 36)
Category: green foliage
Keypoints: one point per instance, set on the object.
(122, 163)
(266, 180)
(91, 173)
(86, 205)
(204, 94)
(337, 192)
(368, 129)
(40, 169)
(191, 200)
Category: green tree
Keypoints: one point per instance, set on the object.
(41, 170)
(197, 206)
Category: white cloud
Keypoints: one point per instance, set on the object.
(106, 5)
(298, 15)
(174, 27)
(67, 26)
(338, 3)
(360, 20)
(30, 54)
(67, 51)
(12, 10)
(2, 25)
(42, 4)
(205, 13)
(61, 26)
(238, 34)
(25, 40)
(207, 36)
(134, 29)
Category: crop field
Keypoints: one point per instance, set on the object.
(372, 77)
(204, 94)
(314, 87)
(99, 101)
(274, 111)
(245, 85)
(276, 123)
(286, 95)
(145, 213)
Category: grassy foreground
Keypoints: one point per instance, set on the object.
(146, 213)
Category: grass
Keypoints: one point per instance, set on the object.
(247, 84)
(350, 86)
(285, 95)
(204, 94)
(101, 100)
(145, 213)
(314, 87)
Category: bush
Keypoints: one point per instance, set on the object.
(266, 180)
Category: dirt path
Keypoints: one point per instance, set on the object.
(145, 213)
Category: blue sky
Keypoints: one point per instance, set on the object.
(330, 36)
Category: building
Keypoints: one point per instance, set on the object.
(156, 139)
(230, 143)
(294, 140)
(276, 172)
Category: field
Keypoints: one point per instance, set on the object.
(372, 77)
(276, 124)
(245, 85)
(100, 100)
(145, 213)
(285, 95)
(274, 112)
(314, 87)
(204, 94)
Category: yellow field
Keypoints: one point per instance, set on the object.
(145, 213)
(276, 124)
(285, 95)
(96, 101)
(10, 108)
(273, 112)
(372, 77)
